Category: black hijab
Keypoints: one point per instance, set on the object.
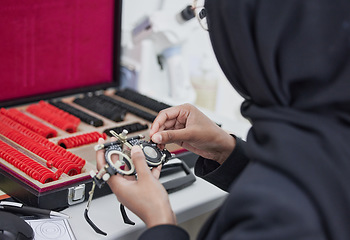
(290, 60)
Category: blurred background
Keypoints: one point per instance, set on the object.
(150, 30)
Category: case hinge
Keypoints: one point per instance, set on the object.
(76, 194)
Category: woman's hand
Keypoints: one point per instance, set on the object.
(191, 129)
(146, 196)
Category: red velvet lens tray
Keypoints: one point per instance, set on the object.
(56, 50)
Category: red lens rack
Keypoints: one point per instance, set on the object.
(29, 122)
(80, 140)
(54, 155)
(28, 165)
(55, 116)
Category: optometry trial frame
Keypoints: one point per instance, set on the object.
(118, 159)
(200, 13)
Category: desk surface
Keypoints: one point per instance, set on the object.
(197, 199)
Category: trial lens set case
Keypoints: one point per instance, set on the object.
(59, 76)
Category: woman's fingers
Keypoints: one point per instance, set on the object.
(139, 161)
(169, 117)
(156, 171)
(141, 166)
(171, 136)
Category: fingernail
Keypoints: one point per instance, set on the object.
(101, 140)
(157, 138)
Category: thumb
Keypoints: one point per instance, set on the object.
(139, 161)
(171, 136)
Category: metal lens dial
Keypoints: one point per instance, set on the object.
(150, 152)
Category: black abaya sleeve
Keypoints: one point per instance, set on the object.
(168, 232)
(223, 175)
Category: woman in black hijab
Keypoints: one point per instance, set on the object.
(290, 60)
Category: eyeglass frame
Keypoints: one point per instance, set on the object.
(199, 13)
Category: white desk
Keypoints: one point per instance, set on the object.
(197, 199)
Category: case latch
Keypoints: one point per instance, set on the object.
(76, 194)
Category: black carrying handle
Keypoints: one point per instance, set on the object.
(181, 182)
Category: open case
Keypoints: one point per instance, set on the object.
(59, 76)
